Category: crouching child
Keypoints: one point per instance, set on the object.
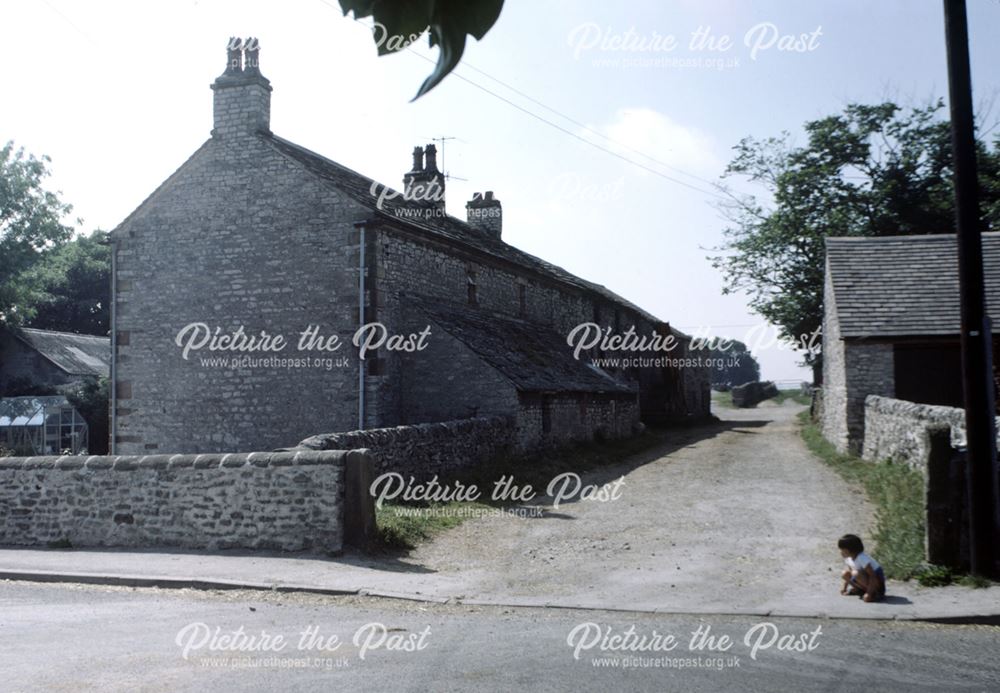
(863, 575)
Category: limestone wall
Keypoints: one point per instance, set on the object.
(832, 411)
(239, 236)
(853, 369)
(428, 449)
(408, 264)
(423, 450)
(260, 500)
(898, 430)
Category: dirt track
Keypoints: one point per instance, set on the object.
(731, 516)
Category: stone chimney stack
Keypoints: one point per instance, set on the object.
(425, 183)
(485, 213)
(430, 158)
(242, 99)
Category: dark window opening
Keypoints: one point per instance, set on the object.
(928, 373)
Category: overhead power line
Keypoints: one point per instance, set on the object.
(567, 131)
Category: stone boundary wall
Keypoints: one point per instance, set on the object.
(259, 500)
(899, 430)
(423, 450)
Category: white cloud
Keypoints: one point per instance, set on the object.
(658, 136)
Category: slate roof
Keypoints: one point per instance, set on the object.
(898, 286)
(359, 187)
(533, 358)
(76, 354)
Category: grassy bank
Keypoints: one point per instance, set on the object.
(404, 525)
(896, 491)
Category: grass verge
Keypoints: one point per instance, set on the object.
(401, 527)
(404, 525)
(797, 396)
(896, 491)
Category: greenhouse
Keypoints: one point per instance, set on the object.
(41, 426)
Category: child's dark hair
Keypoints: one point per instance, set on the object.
(851, 542)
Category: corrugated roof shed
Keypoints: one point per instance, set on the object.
(896, 286)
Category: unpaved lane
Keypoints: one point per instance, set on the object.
(741, 516)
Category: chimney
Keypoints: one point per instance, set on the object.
(242, 99)
(424, 183)
(431, 158)
(485, 213)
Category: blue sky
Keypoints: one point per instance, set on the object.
(117, 93)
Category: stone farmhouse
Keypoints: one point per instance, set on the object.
(891, 325)
(255, 238)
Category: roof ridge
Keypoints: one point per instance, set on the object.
(482, 242)
(907, 237)
(60, 332)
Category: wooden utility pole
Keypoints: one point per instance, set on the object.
(977, 334)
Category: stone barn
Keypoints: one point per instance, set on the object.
(264, 293)
(891, 325)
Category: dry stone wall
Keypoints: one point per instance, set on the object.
(260, 500)
(899, 430)
(423, 450)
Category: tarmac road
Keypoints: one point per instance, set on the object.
(95, 638)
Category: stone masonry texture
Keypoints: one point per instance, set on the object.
(425, 450)
(239, 237)
(254, 232)
(899, 431)
(853, 369)
(285, 501)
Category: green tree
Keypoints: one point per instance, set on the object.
(448, 22)
(738, 366)
(31, 227)
(872, 170)
(90, 398)
(72, 287)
